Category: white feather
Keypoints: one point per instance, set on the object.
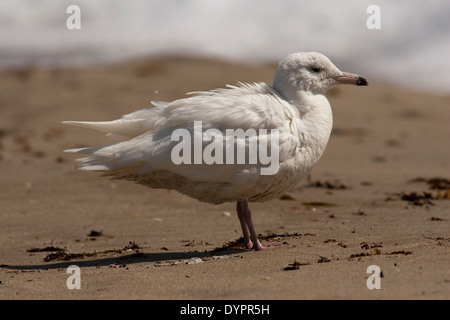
(302, 117)
(126, 128)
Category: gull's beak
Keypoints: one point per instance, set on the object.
(350, 78)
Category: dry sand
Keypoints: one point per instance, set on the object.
(350, 215)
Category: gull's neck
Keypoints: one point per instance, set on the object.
(303, 101)
(315, 119)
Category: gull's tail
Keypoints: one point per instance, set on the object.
(130, 126)
(125, 128)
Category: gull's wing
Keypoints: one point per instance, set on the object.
(255, 106)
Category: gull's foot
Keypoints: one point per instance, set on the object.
(269, 245)
(248, 244)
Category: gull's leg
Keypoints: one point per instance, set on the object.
(240, 211)
(251, 240)
(245, 217)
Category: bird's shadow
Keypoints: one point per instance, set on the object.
(67, 259)
(137, 257)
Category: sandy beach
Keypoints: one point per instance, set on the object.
(379, 196)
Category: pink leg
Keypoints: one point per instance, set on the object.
(240, 211)
(251, 240)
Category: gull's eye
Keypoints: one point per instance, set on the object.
(315, 70)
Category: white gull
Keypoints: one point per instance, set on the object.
(295, 106)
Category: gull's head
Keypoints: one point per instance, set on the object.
(310, 72)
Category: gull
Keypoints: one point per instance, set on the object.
(294, 107)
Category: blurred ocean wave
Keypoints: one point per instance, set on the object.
(412, 48)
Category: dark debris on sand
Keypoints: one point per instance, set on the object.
(414, 198)
(59, 254)
(239, 243)
(295, 266)
(335, 185)
(46, 249)
(434, 183)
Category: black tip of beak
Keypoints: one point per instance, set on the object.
(361, 82)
